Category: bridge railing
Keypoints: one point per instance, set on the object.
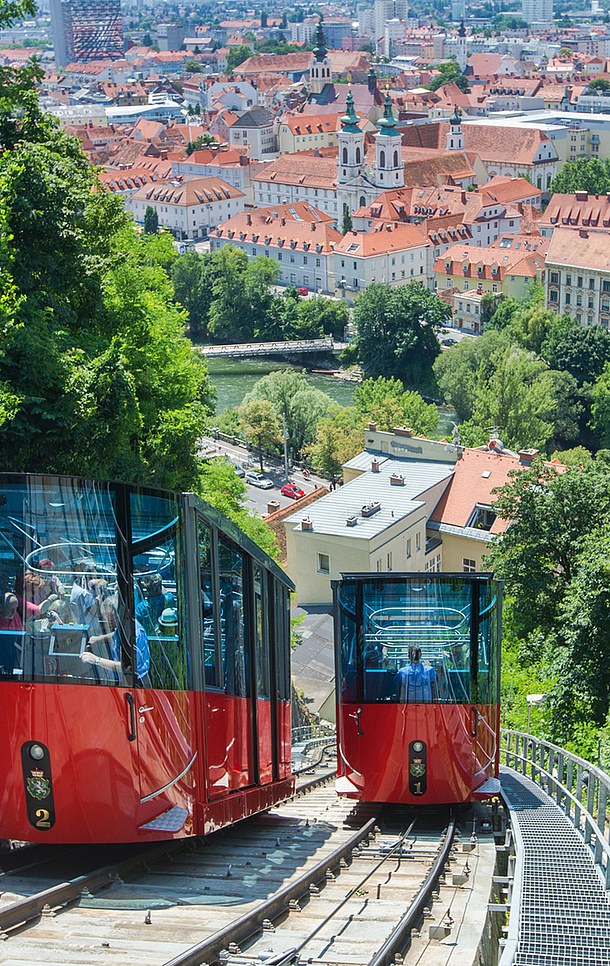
(580, 789)
(312, 732)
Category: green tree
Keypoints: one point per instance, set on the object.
(347, 221)
(599, 84)
(450, 73)
(552, 514)
(222, 489)
(260, 425)
(237, 55)
(386, 402)
(193, 277)
(243, 304)
(600, 409)
(338, 439)
(151, 220)
(396, 331)
(292, 397)
(582, 690)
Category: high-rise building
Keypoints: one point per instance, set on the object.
(85, 30)
(537, 11)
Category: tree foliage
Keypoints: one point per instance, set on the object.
(260, 425)
(290, 396)
(151, 220)
(592, 175)
(396, 331)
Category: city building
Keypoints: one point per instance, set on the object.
(463, 268)
(255, 130)
(299, 237)
(390, 253)
(579, 210)
(578, 275)
(190, 209)
(85, 30)
(408, 504)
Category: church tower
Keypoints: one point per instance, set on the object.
(455, 138)
(350, 160)
(389, 169)
(320, 69)
(462, 54)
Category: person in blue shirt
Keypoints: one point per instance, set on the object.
(417, 682)
(112, 640)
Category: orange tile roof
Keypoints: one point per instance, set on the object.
(468, 487)
(304, 228)
(506, 261)
(580, 210)
(580, 249)
(381, 239)
(300, 168)
(199, 191)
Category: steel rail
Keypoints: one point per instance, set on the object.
(314, 782)
(23, 910)
(311, 765)
(400, 935)
(251, 923)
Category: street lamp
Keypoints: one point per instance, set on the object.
(533, 699)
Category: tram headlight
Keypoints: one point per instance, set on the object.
(36, 752)
(418, 746)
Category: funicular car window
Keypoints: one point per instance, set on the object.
(487, 683)
(206, 592)
(232, 619)
(282, 630)
(57, 573)
(261, 649)
(159, 593)
(414, 640)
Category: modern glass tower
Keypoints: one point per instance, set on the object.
(85, 30)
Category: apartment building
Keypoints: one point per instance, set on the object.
(299, 237)
(390, 253)
(190, 209)
(578, 275)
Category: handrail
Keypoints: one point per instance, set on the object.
(579, 788)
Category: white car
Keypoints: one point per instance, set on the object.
(257, 479)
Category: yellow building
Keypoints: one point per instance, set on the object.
(465, 268)
(408, 505)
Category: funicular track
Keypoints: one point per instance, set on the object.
(207, 900)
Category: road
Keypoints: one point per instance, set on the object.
(273, 468)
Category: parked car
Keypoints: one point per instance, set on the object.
(238, 470)
(303, 291)
(448, 342)
(257, 479)
(291, 490)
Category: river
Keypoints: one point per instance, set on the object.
(234, 378)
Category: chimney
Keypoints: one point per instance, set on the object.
(403, 431)
(527, 456)
(372, 426)
(306, 524)
(463, 197)
(582, 233)
(375, 466)
(249, 218)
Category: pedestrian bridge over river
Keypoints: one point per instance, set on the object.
(297, 347)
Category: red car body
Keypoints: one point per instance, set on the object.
(293, 491)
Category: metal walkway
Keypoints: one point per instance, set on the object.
(560, 914)
(274, 348)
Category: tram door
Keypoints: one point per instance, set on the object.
(262, 645)
(228, 703)
(161, 699)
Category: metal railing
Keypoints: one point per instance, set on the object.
(578, 787)
(308, 733)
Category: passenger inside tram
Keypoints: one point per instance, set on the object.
(104, 649)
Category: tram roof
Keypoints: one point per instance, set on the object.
(329, 514)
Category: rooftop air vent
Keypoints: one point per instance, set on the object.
(370, 508)
(351, 521)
